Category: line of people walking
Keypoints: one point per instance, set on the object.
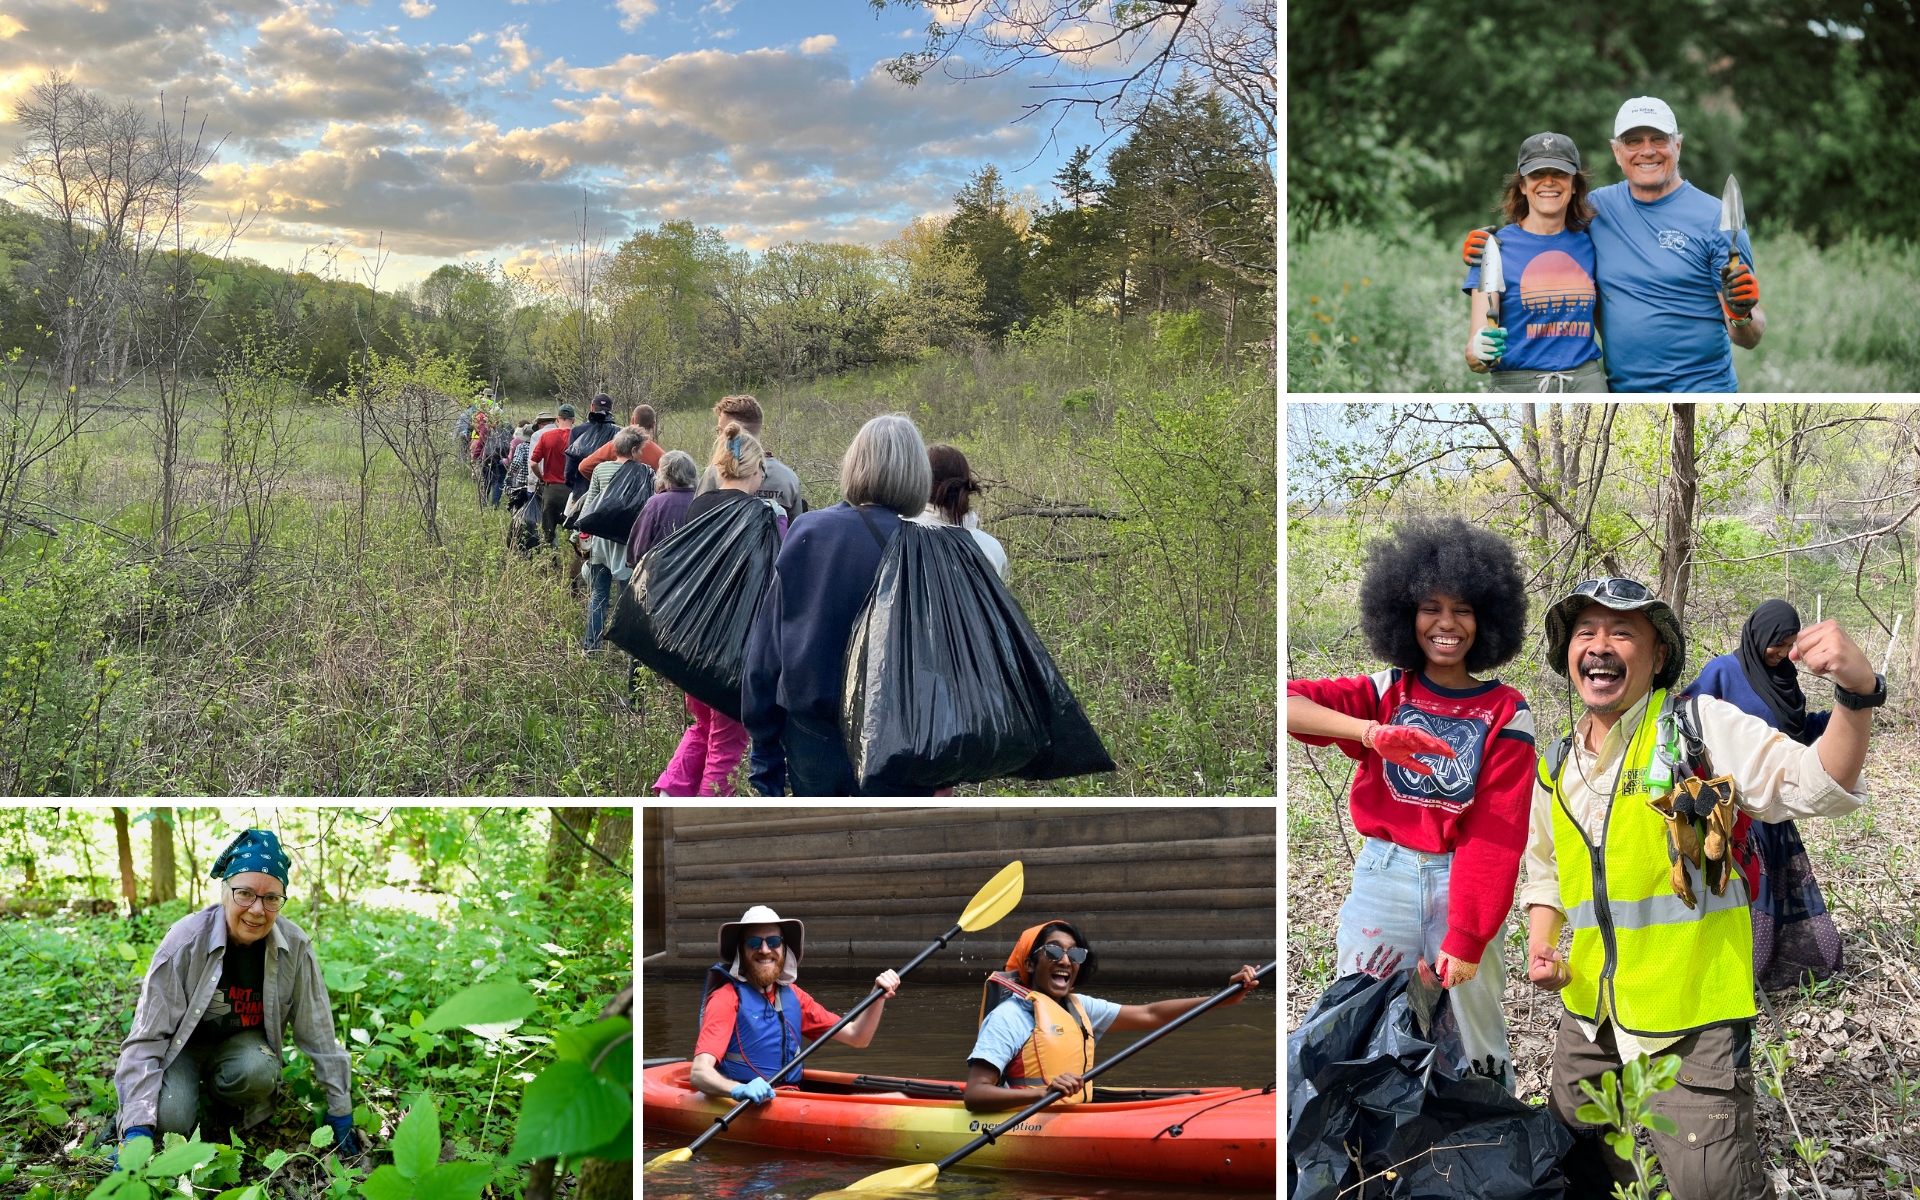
(1661, 829)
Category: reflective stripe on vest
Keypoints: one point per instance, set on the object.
(1663, 970)
(1060, 1041)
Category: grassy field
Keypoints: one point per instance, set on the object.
(1365, 313)
(1852, 1077)
(363, 660)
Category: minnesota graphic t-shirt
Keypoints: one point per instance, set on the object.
(237, 1002)
(1547, 309)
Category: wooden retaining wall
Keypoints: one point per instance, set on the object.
(1175, 895)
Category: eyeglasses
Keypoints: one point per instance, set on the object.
(1057, 952)
(246, 896)
(1615, 588)
(772, 943)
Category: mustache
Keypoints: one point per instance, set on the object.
(1595, 661)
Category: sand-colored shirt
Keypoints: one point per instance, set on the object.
(1774, 777)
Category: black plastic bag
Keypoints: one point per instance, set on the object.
(615, 509)
(690, 605)
(946, 681)
(1373, 1074)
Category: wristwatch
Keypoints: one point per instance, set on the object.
(1856, 700)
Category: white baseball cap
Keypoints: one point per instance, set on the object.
(1648, 111)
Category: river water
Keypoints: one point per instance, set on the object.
(926, 1032)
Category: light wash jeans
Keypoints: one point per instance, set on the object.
(1395, 916)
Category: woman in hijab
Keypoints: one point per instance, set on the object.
(1792, 934)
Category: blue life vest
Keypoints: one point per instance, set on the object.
(764, 1038)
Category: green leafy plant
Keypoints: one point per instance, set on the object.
(1622, 1105)
(416, 1172)
(141, 1173)
(48, 1094)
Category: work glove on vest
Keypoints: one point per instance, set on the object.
(1488, 344)
(1683, 844)
(1741, 289)
(1712, 805)
(1477, 242)
(1399, 743)
(758, 1090)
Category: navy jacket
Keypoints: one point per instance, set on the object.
(799, 641)
(1725, 679)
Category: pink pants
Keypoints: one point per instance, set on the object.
(708, 753)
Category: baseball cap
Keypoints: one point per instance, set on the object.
(1645, 110)
(602, 402)
(1549, 150)
(566, 410)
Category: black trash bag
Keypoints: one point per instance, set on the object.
(946, 681)
(582, 441)
(615, 509)
(1373, 1073)
(690, 605)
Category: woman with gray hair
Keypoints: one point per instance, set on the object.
(790, 697)
(667, 510)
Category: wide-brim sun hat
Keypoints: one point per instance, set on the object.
(793, 934)
(1621, 595)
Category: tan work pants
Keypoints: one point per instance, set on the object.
(1716, 1153)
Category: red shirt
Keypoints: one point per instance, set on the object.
(651, 454)
(724, 1004)
(550, 454)
(1473, 806)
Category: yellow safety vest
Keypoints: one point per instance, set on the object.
(1061, 1040)
(1659, 968)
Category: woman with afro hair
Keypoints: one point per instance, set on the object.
(1446, 768)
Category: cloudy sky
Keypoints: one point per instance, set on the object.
(469, 129)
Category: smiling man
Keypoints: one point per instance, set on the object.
(1662, 954)
(1037, 1032)
(223, 987)
(752, 1017)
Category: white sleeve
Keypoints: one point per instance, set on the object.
(1775, 778)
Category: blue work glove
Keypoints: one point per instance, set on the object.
(128, 1135)
(343, 1135)
(758, 1090)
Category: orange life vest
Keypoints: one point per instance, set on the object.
(1062, 1037)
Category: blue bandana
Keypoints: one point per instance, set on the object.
(255, 850)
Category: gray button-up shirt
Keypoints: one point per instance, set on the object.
(179, 986)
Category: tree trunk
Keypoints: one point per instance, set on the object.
(563, 852)
(129, 886)
(1530, 414)
(613, 837)
(161, 882)
(1675, 556)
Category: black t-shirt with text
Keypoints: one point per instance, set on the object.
(238, 1002)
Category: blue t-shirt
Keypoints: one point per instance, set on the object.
(1547, 309)
(1725, 679)
(1008, 1027)
(1659, 270)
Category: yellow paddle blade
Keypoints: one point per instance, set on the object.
(671, 1156)
(997, 899)
(917, 1175)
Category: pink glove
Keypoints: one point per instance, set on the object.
(1399, 743)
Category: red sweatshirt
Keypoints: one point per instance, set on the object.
(549, 455)
(1473, 806)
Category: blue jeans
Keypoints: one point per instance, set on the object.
(1395, 916)
(599, 603)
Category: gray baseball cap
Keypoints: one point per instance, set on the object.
(1545, 151)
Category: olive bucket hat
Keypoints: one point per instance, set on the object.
(1621, 595)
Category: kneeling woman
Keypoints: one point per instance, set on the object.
(1036, 1032)
(1545, 340)
(1446, 769)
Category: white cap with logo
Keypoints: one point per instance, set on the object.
(1645, 111)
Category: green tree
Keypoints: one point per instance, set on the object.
(994, 230)
(1073, 260)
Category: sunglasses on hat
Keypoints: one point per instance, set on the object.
(1614, 588)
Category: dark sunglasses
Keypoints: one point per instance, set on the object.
(772, 943)
(1057, 952)
(1614, 588)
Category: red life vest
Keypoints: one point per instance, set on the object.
(1062, 1037)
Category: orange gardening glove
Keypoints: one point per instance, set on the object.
(1476, 242)
(1742, 291)
(1399, 743)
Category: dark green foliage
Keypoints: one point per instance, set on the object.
(984, 225)
(1408, 113)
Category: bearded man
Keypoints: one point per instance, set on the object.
(1634, 815)
(752, 1016)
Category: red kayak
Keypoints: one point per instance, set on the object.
(1217, 1136)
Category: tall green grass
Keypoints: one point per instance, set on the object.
(1368, 313)
(384, 665)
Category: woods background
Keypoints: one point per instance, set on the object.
(1404, 116)
(1720, 507)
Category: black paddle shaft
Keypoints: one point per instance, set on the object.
(989, 1135)
(720, 1123)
